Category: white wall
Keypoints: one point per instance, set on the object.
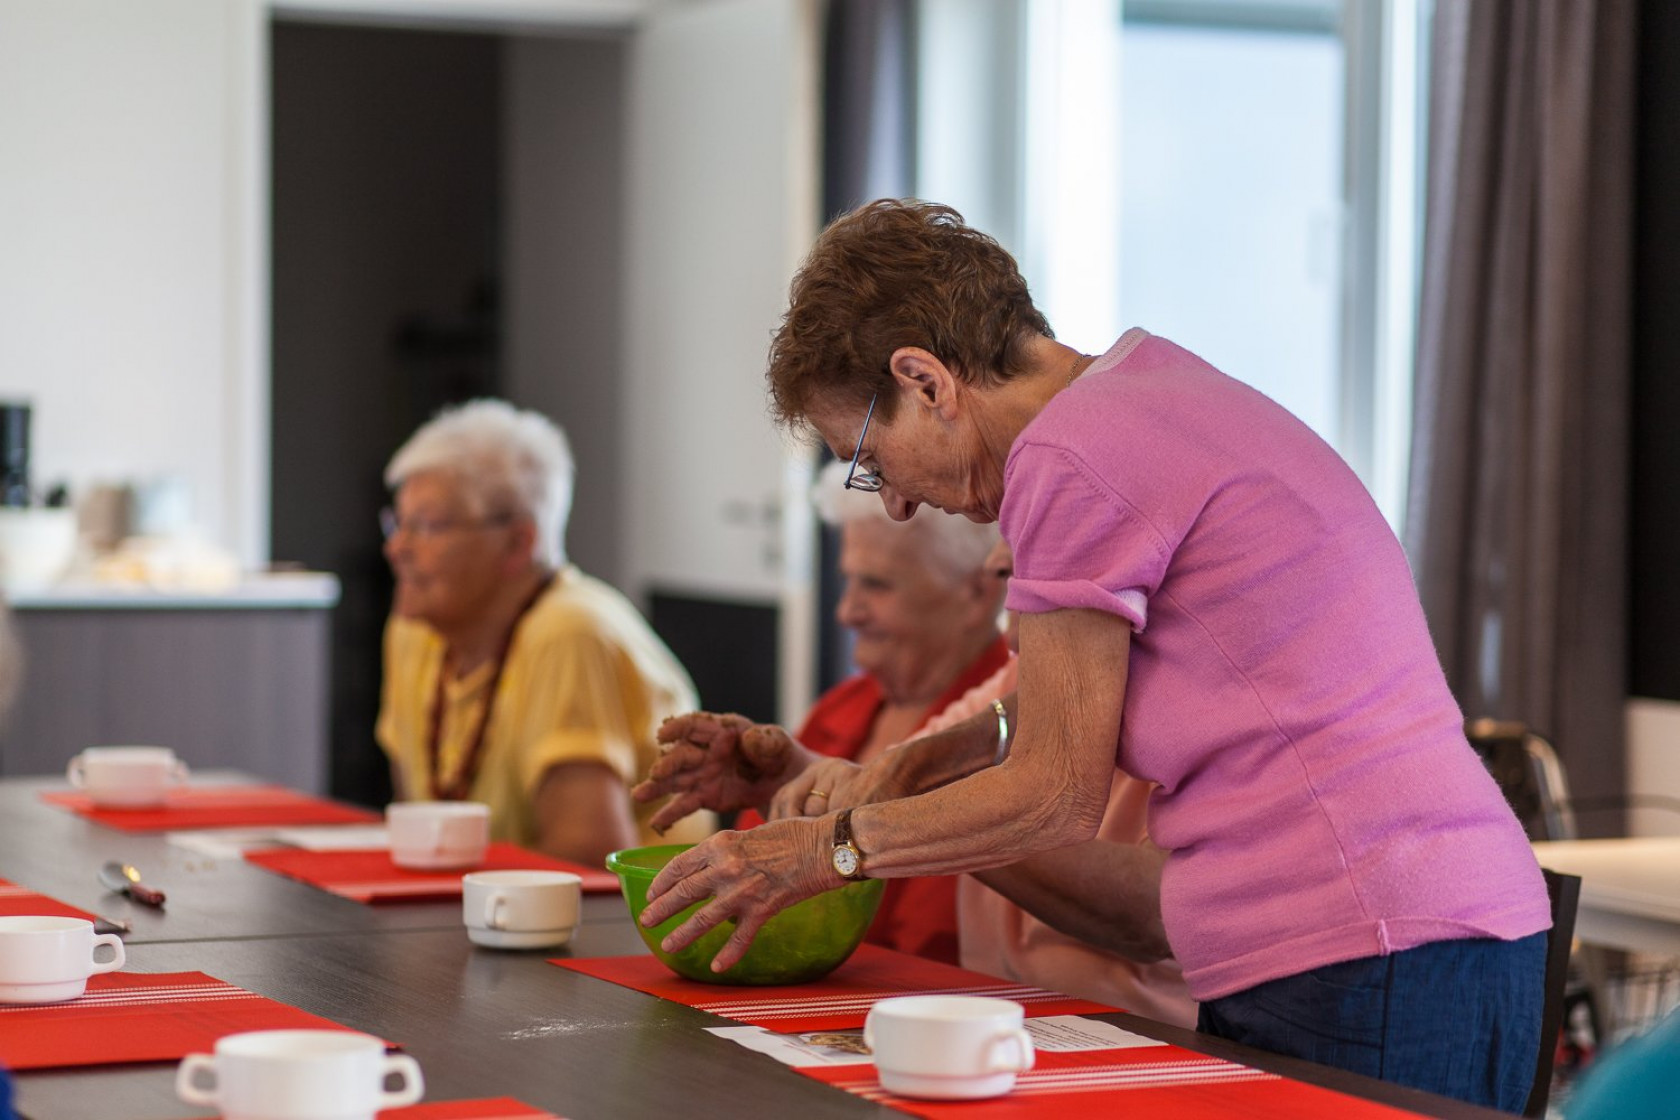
(132, 298)
(722, 205)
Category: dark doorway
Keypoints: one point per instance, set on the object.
(386, 192)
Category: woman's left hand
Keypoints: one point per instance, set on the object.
(826, 785)
(749, 876)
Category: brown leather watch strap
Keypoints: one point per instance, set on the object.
(848, 860)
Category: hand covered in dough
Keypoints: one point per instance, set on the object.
(719, 762)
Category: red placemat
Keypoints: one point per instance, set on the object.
(134, 1017)
(15, 899)
(370, 876)
(839, 1001)
(491, 1108)
(218, 807)
(1149, 1081)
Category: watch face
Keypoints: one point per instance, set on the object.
(845, 861)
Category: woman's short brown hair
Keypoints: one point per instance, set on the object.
(896, 273)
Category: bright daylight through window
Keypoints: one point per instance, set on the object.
(1240, 176)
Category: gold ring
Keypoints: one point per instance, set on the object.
(817, 793)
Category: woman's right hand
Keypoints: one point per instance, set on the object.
(719, 762)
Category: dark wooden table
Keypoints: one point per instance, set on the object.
(52, 850)
(480, 1022)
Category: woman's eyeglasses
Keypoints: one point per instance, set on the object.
(425, 528)
(868, 481)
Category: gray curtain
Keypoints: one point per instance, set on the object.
(869, 87)
(869, 92)
(1518, 492)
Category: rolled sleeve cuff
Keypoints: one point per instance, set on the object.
(1036, 596)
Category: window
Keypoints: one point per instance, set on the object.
(1238, 175)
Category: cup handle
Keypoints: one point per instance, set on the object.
(179, 772)
(413, 1087)
(494, 903)
(75, 774)
(117, 961)
(1020, 1043)
(186, 1079)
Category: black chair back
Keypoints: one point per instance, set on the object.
(1526, 768)
(1565, 894)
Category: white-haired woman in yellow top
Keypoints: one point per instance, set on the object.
(511, 677)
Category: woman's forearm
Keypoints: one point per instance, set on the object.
(973, 825)
(1101, 892)
(930, 761)
(1052, 789)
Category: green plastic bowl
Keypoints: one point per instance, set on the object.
(805, 942)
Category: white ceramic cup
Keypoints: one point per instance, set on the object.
(127, 777)
(298, 1075)
(48, 959)
(520, 909)
(948, 1047)
(434, 835)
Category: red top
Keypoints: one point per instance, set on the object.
(917, 915)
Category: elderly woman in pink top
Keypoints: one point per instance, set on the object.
(1210, 600)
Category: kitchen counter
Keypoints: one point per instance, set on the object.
(266, 590)
(236, 678)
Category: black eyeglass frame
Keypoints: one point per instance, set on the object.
(870, 482)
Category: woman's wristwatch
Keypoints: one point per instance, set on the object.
(848, 861)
